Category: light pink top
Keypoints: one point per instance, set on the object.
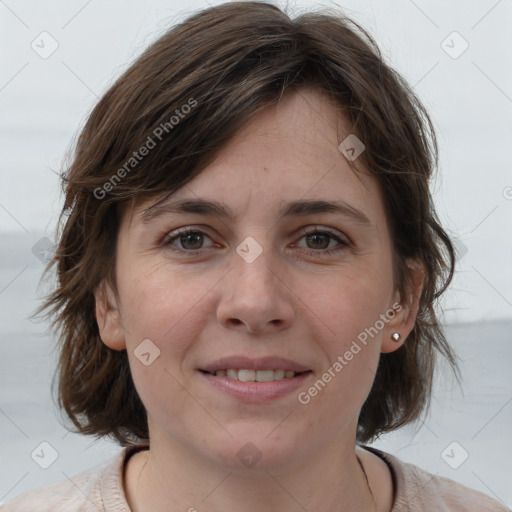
(101, 489)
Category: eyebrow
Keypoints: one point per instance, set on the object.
(292, 209)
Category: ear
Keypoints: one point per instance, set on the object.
(405, 309)
(109, 318)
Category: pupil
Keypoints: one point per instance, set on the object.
(315, 236)
(191, 236)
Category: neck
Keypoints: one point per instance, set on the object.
(169, 473)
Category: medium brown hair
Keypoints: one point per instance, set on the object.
(227, 63)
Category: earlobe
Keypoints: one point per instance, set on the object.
(401, 325)
(109, 318)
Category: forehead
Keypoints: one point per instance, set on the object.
(283, 153)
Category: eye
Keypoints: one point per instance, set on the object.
(321, 238)
(189, 239)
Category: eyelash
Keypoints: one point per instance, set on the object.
(311, 252)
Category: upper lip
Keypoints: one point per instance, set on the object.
(247, 363)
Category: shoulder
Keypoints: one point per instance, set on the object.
(97, 489)
(419, 490)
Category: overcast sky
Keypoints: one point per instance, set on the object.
(456, 54)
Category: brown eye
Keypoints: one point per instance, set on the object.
(194, 239)
(188, 239)
(318, 241)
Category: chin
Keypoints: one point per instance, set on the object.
(251, 454)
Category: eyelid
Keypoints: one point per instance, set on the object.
(307, 230)
(315, 228)
(185, 230)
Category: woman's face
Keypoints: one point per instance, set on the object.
(259, 283)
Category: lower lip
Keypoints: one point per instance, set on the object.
(257, 391)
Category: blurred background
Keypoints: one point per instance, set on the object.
(57, 58)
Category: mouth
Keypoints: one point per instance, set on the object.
(253, 380)
(255, 386)
(248, 375)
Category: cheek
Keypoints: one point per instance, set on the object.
(348, 329)
(164, 307)
(158, 301)
(346, 302)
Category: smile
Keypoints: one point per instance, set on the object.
(255, 375)
(246, 386)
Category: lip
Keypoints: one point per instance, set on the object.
(247, 363)
(254, 392)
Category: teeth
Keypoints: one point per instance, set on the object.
(247, 375)
(255, 375)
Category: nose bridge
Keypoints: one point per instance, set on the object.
(253, 267)
(253, 294)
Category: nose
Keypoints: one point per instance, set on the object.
(256, 297)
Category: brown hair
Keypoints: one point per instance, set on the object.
(227, 63)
